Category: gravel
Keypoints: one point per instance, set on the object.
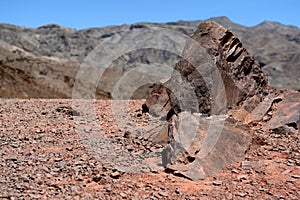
(43, 156)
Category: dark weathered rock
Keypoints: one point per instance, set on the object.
(216, 66)
(201, 146)
(287, 113)
(263, 108)
(242, 76)
(279, 112)
(216, 74)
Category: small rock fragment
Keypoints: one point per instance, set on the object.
(108, 187)
(115, 174)
(69, 148)
(127, 134)
(242, 194)
(248, 164)
(163, 194)
(296, 176)
(122, 194)
(290, 180)
(217, 183)
(242, 177)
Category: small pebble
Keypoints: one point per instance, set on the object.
(290, 180)
(242, 194)
(217, 183)
(115, 174)
(295, 176)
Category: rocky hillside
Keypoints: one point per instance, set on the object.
(43, 62)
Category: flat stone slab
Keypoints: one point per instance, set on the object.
(287, 112)
(201, 146)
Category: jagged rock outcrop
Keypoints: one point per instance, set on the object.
(192, 86)
(200, 145)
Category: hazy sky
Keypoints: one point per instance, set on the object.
(81, 14)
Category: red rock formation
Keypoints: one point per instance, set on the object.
(218, 76)
(242, 77)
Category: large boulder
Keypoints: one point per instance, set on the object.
(201, 146)
(216, 97)
(215, 66)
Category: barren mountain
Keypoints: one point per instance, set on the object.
(43, 62)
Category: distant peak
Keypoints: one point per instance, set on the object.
(223, 20)
(268, 24)
(49, 26)
(55, 27)
(220, 19)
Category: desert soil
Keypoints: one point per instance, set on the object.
(44, 156)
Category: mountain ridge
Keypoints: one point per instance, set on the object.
(220, 19)
(274, 45)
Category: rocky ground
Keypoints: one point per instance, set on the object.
(44, 156)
